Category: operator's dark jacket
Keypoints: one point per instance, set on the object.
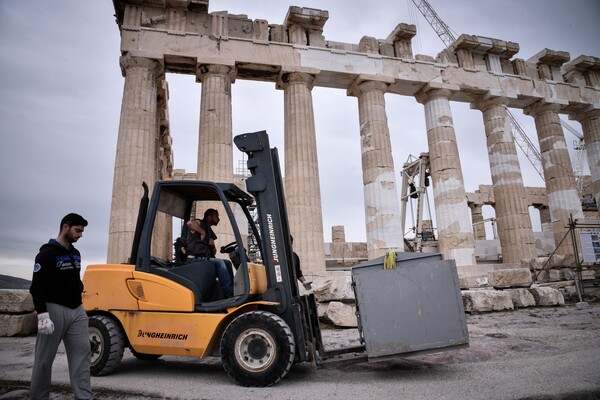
(56, 277)
(200, 248)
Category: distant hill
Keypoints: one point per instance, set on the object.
(11, 282)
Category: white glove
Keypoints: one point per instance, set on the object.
(45, 324)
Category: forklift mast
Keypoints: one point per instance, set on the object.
(266, 185)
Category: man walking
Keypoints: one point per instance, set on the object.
(56, 289)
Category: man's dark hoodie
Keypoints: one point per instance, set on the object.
(56, 277)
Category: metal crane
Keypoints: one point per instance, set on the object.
(579, 146)
(415, 180)
(447, 36)
(440, 27)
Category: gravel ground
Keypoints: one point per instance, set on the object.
(537, 353)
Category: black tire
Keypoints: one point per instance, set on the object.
(257, 349)
(144, 356)
(107, 341)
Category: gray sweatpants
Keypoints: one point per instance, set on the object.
(70, 327)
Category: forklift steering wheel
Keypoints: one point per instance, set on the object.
(228, 248)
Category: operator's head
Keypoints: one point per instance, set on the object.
(211, 216)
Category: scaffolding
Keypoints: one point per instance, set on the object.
(580, 253)
(415, 180)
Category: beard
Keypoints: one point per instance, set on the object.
(70, 238)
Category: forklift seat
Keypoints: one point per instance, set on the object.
(199, 277)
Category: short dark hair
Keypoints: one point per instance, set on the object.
(73, 219)
(210, 211)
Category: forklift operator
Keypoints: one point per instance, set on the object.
(200, 246)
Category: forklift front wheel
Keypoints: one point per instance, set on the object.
(257, 349)
(107, 342)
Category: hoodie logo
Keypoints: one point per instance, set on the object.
(68, 262)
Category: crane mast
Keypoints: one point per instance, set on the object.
(526, 145)
(438, 25)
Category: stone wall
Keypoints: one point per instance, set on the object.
(17, 317)
(337, 302)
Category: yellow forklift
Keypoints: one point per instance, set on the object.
(157, 306)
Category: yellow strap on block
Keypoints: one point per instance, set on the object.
(389, 261)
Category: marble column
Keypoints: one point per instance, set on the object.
(455, 232)
(512, 214)
(339, 248)
(477, 219)
(382, 206)
(162, 234)
(338, 234)
(590, 124)
(302, 187)
(545, 219)
(215, 149)
(136, 159)
(563, 198)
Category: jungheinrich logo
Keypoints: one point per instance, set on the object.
(162, 335)
(274, 250)
(272, 238)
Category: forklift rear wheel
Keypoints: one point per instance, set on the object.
(107, 341)
(257, 349)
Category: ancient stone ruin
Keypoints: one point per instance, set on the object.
(181, 36)
(159, 37)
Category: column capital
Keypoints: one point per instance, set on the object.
(127, 61)
(488, 101)
(367, 83)
(204, 70)
(588, 113)
(292, 77)
(541, 106)
(428, 93)
(475, 206)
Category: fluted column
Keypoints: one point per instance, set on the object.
(215, 150)
(512, 214)
(477, 219)
(302, 187)
(545, 219)
(563, 199)
(382, 206)
(590, 124)
(455, 232)
(136, 159)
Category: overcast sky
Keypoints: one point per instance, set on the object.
(61, 89)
